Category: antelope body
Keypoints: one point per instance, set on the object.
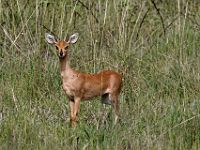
(81, 86)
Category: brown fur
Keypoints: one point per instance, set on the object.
(81, 86)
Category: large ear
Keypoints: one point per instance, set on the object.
(50, 38)
(73, 38)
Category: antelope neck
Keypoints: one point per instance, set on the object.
(65, 68)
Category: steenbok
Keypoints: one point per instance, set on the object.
(82, 86)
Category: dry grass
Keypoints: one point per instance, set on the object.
(160, 98)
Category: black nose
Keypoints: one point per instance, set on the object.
(61, 53)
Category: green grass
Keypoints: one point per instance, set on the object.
(160, 99)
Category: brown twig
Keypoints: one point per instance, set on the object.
(49, 30)
(85, 6)
(159, 14)
(140, 26)
(170, 24)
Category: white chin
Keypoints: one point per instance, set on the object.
(61, 56)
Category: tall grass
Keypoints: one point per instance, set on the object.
(159, 102)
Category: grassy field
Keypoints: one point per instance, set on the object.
(155, 44)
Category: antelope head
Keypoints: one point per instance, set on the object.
(61, 45)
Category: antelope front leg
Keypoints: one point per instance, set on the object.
(76, 106)
(71, 104)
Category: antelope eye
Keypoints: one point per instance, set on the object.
(66, 47)
(56, 47)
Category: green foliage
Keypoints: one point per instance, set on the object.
(159, 102)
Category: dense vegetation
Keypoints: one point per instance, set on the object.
(154, 43)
